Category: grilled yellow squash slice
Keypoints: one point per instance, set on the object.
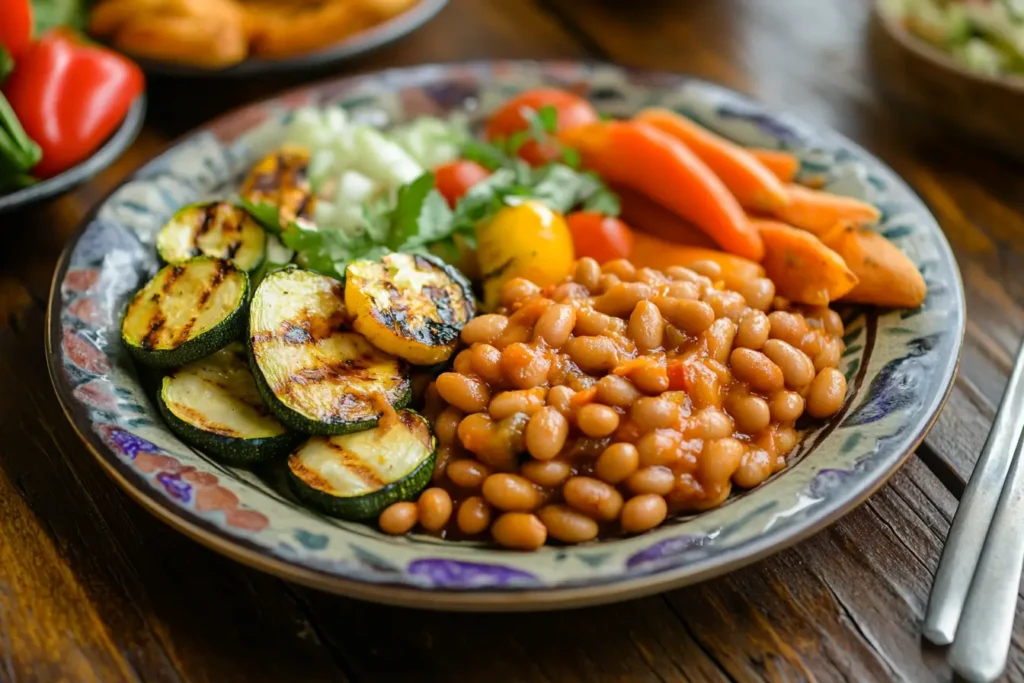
(187, 311)
(411, 306)
(316, 376)
(277, 190)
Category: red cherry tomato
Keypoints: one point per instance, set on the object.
(602, 238)
(572, 110)
(454, 179)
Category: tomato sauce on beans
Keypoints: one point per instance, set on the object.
(607, 402)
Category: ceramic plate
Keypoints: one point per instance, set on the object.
(114, 147)
(900, 365)
(353, 46)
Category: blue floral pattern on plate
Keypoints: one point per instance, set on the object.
(900, 365)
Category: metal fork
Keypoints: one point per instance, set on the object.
(974, 595)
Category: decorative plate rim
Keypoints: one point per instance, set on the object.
(613, 589)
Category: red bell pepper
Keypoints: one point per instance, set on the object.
(70, 96)
(16, 27)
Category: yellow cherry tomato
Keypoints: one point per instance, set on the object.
(527, 240)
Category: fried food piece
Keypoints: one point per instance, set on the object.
(207, 33)
(279, 29)
(219, 33)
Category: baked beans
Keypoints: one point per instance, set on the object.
(546, 433)
(485, 363)
(484, 329)
(399, 518)
(568, 525)
(519, 530)
(509, 403)
(643, 512)
(474, 516)
(435, 509)
(596, 420)
(609, 400)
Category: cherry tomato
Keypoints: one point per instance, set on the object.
(602, 238)
(572, 110)
(454, 179)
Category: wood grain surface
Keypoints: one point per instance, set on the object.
(94, 589)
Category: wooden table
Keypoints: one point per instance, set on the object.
(92, 588)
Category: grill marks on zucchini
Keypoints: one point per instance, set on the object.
(356, 476)
(187, 311)
(278, 190)
(214, 405)
(316, 376)
(411, 306)
(216, 229)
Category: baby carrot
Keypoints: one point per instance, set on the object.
(651, 252)
(747, 178)
(783, 165)
(887, 277)
(816, 211)
(640, 156)
(803, 268)
(646, 215)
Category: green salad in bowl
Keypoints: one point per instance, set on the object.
(986, 36)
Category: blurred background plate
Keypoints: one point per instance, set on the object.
(115, 145)
(348, 48)
(938, 87)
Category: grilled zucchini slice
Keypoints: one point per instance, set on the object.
(277, 190)
(356, 476)
(214, 405)
(217, 229)
(411, 306)
(316, 376)
(187, 311)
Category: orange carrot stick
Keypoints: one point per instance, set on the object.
(803, 268)
(816, 211)
(783, 165)
(646, 215)
(747, 178)
(651, 252)
(887, 277)
(642, 157)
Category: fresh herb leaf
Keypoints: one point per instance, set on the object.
(604, 202)
(405, 219)
(535, 125)
(559, 187)
(548, 116)
(571, 158)
(319, 250)
(488, 155)
(435, 221)
(517, 140)
(265, 213)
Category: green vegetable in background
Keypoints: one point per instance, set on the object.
(18, 153)
(51, 13)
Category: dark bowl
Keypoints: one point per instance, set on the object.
(353, 46)
(114, 147)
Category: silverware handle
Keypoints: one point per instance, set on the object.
(973, 516)
(983, 638)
